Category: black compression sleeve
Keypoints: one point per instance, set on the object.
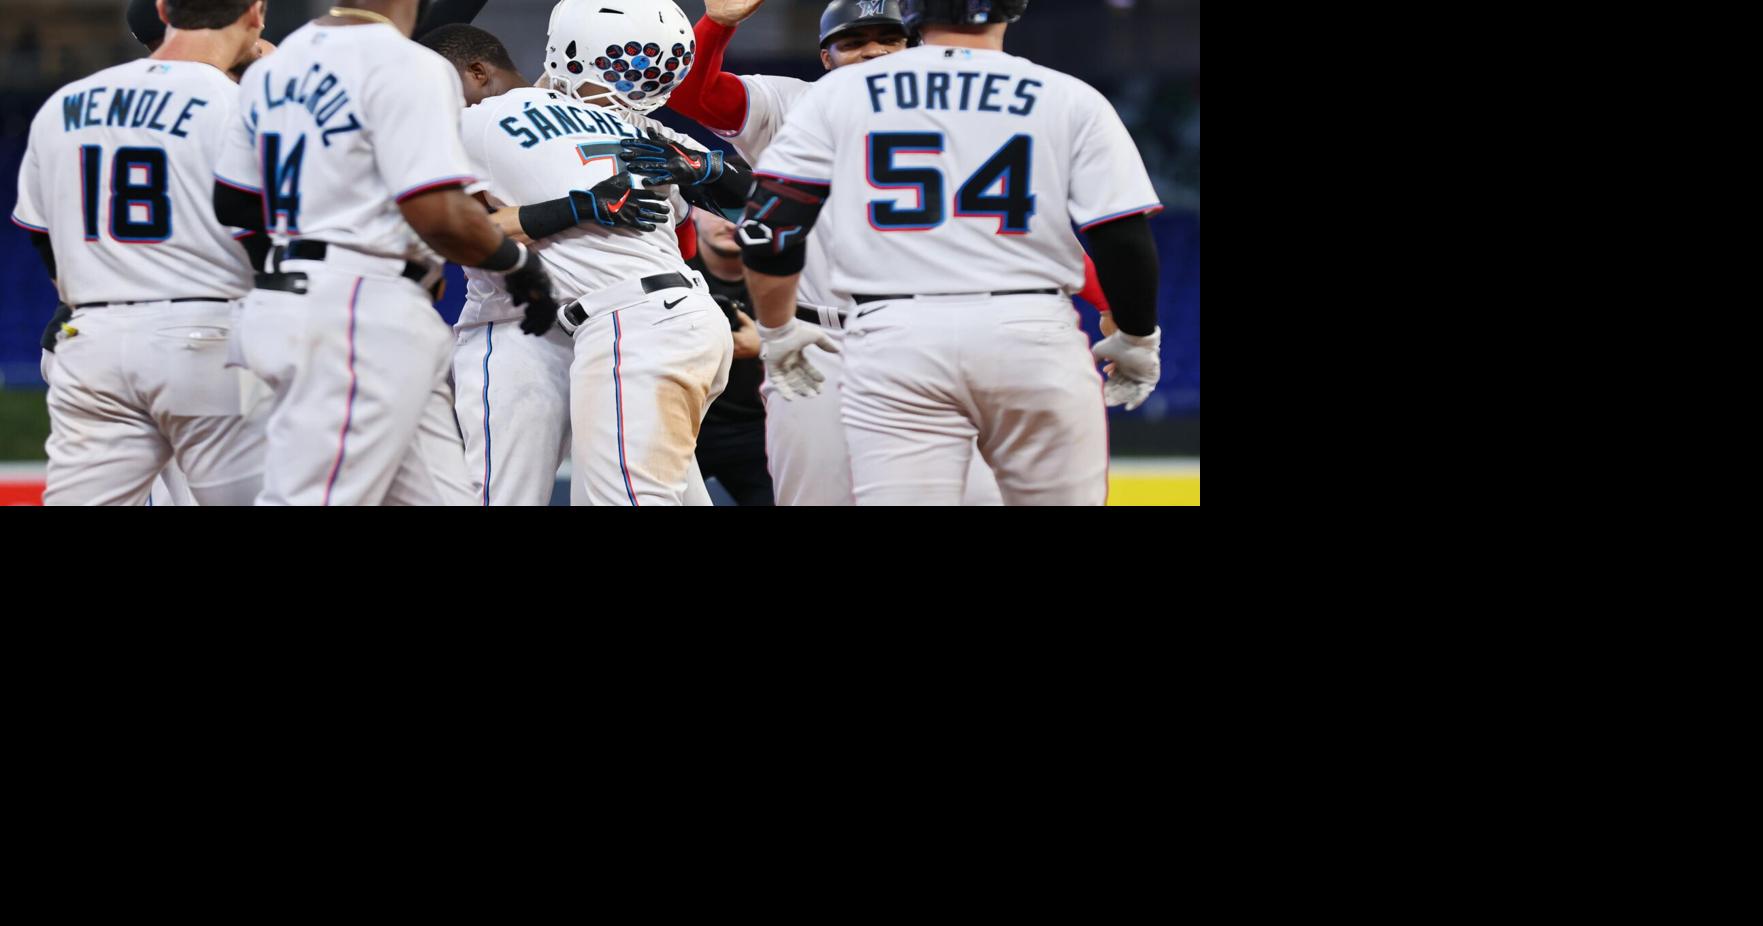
(45, 250)
(774, 228)
(1126, 264)
(257, 248)
(236, 208)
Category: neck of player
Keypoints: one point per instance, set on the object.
(222, 48)
(402, 15)
(989, 38)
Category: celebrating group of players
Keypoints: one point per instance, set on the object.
(248, 270)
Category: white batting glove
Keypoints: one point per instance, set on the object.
(1137, 365)
(786, 363)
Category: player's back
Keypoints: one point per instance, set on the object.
(533, 146)
(120, 172)
(345, 123)
(962, 170)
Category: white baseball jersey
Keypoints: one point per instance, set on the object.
(769, 101)
(338, 127)
(531, 146)
(958, 170)
(120, 174)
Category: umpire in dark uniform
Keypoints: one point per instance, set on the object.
(731, 445)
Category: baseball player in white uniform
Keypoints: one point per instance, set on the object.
(650, 350)
(347, 147)
(804, 440)
(954, 173)
(115, 191)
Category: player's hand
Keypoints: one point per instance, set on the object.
(746, 337)
(530, 288)
(615, 203)
(1137, 366)
(1109, 329)
(787, 365)
(730, 13)
(663, 161)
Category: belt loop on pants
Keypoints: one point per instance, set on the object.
(824, 316)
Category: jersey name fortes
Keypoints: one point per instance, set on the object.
(965, 91)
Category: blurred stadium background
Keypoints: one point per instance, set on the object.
(1144, 54)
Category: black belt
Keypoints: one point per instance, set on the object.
(575, 314)
(97, 305)
(812, 316)
(864, 300)
(318, 250)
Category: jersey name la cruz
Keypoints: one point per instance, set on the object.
(341, 125)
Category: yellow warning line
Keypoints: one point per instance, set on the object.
(1158, 482)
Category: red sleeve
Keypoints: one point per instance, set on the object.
(688, 239)
(709, 96)
(1092, 291)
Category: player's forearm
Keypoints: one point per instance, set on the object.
(454, 224)
(46, 252)
(726, 181)
(554, 217)
(1092, 291)
(1126, 264)
(729, 191)
(243, 209)
(773, 297)
(709, 96)
(774, 233)
(507, 221)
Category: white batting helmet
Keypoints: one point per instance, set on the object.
(635, 51)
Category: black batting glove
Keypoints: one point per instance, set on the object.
(530, 288)
(615, 202)
(667, 162)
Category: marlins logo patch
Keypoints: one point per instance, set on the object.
(870, 7)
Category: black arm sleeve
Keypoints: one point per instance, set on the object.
(236, 208)
(1126, 265)
(542, 220)
(448, 13)
(45, 250)
(774, 228)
